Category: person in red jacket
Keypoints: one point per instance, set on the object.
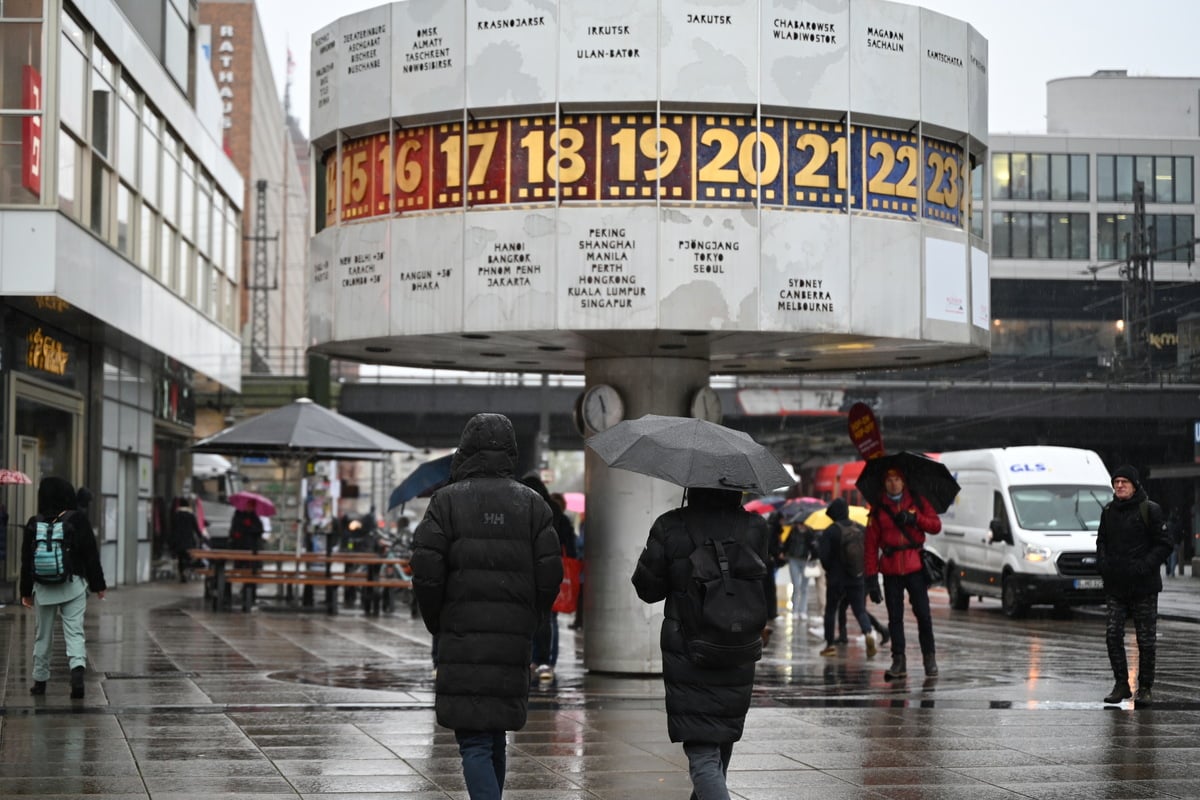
(896, 531)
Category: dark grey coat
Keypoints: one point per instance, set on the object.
(486, 569)
(1130, 551)
(703, 705)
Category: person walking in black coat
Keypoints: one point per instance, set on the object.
(841, 550)
(706, 708)
(1131, 546)
(486, 569)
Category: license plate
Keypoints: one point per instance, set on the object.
(1089, 583)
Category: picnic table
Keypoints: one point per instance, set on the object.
(308, 570)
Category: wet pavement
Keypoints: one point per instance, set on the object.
(276, 703)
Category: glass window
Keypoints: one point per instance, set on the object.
(101, 192)
(103, 98)
(1185, 232)
(1143, 171)
(232, 249)
(70, 170)
(125, 201)
(13, 166)
(170, 185)
(1080, 237)
(1106, 178)
(1079, 178)
(1124, 178)
(1060, 235)
(1039, 227)
(1183, 179)
(187, 201)
(175, 47)
(21, 9)
(1020, 176)
(127, 142)
(1021, 337)
(1164, 179)
(72, 80)
(1039, 176)
(20, 45)
(148, 240)
(1020, 235)
(166, 258)
(151, 152)
(1162, 238)
(1001, 180)
(1060, 178)
(1001, 234)
(185, 268)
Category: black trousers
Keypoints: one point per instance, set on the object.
(894, 588)
(1144, 610)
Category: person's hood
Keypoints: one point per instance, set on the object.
(713, 498)
(55, 495)
(488, 447)
(838, 510)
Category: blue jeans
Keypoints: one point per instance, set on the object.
(707, 765)
(799, 585)
(483, 762)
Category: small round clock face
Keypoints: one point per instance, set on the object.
(706, 404)
(601, 408)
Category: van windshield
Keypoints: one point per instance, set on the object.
(1059, 508)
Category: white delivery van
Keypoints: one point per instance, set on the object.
(1023, 528)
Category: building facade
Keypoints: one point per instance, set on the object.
(120, 223)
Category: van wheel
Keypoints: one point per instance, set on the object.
(959, 600)
(1009, 601)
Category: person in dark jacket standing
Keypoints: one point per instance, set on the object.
(185, 535)
(66, 599)
(706, 708)
(1131, 546)
(896, 533)
(486, 569)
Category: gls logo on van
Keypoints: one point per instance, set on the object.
(1029, 468)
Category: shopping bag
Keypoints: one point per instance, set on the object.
(568, 591)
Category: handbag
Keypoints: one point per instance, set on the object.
(568, 591)
(812, 569)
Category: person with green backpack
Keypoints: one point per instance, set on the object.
(60, 562)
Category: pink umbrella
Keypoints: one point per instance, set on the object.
(11, 476)
(252, 501)
(575, 501)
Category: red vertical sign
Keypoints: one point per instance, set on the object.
(31, 131)
(864, 431)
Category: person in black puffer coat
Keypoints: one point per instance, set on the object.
(706, 708)
(486, 569)
(1131, 545)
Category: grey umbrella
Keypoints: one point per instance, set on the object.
(301, 429)
(690, 452)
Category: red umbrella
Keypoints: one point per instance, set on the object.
(11, 476)
(252, 501)
(576, 501)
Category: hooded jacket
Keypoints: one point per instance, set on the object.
(56, 495)
(1129, 550)
(486, 569)
(703, 705)
(888, 551)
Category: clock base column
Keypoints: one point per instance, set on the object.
(620, 631)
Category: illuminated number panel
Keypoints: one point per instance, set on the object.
(819, 173)
(672, 157)
(891, 167)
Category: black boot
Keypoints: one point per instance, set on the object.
(1120, 692)
(76, 683)
(898, 669)
(39, 687)
(931, 669)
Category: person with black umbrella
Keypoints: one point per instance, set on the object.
(896, 532)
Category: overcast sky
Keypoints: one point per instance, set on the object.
(1030, 43)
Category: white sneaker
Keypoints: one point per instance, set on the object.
(818, 631)
(545, 672)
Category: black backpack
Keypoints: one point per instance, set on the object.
(724, 608)
(853, 547)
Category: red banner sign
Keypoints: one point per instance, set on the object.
(864, 431)
(31, 131)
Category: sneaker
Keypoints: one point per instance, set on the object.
(1143, 697)
(803, 615)
(545, 672)
(818, 631)
(829, 650)
(1120, 692)
(871, 651)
